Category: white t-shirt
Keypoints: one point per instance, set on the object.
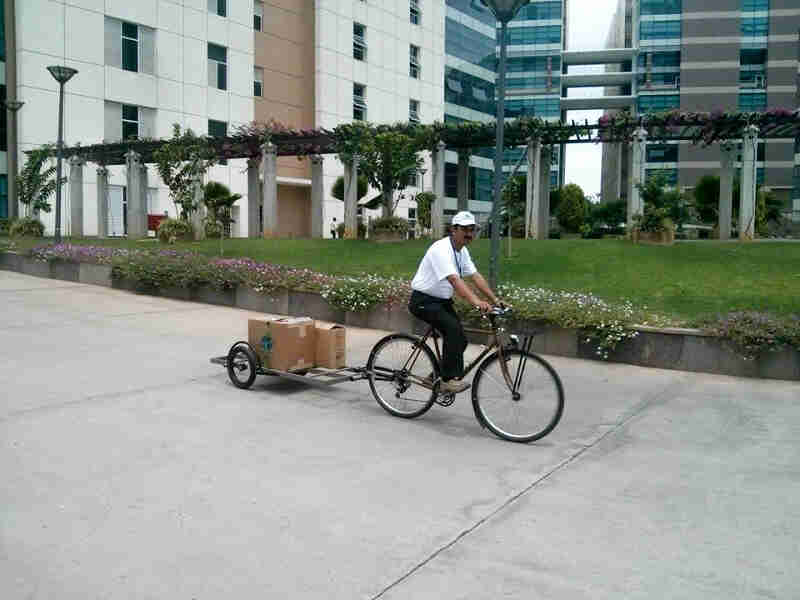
(440, 261)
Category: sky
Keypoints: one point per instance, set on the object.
(587, 30)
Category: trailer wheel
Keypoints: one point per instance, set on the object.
(242, 365)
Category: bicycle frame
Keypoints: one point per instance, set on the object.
(511, 382)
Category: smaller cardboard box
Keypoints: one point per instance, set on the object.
(331, 350)
(283, 344)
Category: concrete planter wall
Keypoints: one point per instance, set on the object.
(388, 236)
(681, 349)
(663, 238)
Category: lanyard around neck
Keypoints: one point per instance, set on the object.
(455, 256)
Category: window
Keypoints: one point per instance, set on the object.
(218, 129)
(753, 102)
(540, 11)
(258, 81)
(660, 7)
(413, 65)
(359, 41)
(218, 7)
(3, 196)
(659, 103)
(130, 121)
(755, 26)
(662, 153)
(359, 102)
(546, 34)
(660, 30)
(217, 66)
(755, 5)
(415, 16)
(258, 15)
(130, 47)
(413, 111)
(3, 122)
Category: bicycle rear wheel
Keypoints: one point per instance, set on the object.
(529, 412)
(396, 368)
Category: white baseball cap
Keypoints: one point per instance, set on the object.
(463, 219)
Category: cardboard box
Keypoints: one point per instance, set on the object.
(283, 344)
(331, 347)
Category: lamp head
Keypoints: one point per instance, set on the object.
(13, 105)
(61, 73)
(504, 10)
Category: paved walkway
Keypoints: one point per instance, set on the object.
(132, 468)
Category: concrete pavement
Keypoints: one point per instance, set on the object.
(132, 468)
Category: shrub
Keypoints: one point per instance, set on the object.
(4, 225)
(390, 225)
(27, 227)
(653, 219)
(171, 230)
(754, 333)
(213, 229)
(571, 210)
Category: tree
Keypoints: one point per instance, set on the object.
(337, 191)
(660, 197)
(706, 199)
(571, 210)
(609, 214)
(34, 186)
(181, 162)
(424, 202)
(513, 209)
(219, 201)
(390, 163)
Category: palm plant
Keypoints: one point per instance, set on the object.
(34, 185)
(219, 201)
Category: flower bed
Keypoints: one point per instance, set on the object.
(602, 323)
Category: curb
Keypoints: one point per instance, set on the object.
(677, 349)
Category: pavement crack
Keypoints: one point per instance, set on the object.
(626, 417)
(104, 396)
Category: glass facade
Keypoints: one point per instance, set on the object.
(660, 7)
(658, 103)
(540, 11)
(659, 30)
(753, 102)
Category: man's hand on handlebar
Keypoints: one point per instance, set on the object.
(483, 306)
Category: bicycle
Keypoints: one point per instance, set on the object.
(516, 394)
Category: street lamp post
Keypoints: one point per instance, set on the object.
(504, 11)
(13, 203)
(62, 75)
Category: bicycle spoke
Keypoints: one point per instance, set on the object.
(528, 412)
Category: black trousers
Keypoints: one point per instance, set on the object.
(441, 314)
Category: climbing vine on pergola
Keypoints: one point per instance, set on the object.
(345, 140)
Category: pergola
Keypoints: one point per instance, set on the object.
(261, 144)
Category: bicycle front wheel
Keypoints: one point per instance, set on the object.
(525, 413)
(398, 368)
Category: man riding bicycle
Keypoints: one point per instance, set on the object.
(440, 273)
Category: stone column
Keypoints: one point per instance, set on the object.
(76, 195)
(351, 199)
(463, 179)
(533, 196)
(796, 192)
(543, 218)
(199, 210)
(253, 199)
(134, 196)
(747, 197)
(437, 209)
(725, 190)
(102, 202)
(317, 196)
(637, 176)
(144, 189)
(269, 162)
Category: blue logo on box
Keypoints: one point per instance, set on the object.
(266, 343)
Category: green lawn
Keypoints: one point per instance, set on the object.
(687, 280)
